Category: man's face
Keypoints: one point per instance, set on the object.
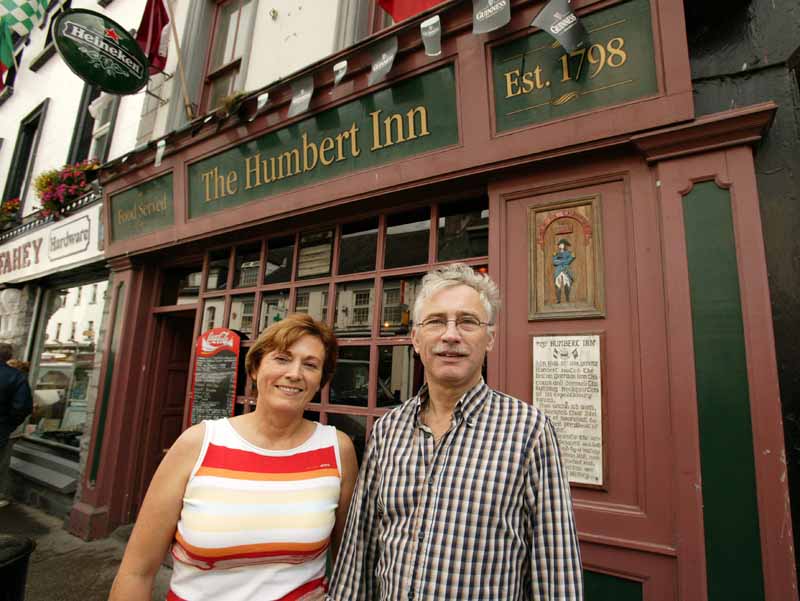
(453, 358)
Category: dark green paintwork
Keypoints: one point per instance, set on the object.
(85, 40)
(146, 208)
(114, 332)
(602, 587)
(636, 78)
(434, 90)
(730, 510)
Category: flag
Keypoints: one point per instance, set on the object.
(23, 15)
(403, 9)
(153, 34)
(6, 51)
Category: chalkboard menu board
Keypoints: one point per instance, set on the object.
(215, 367)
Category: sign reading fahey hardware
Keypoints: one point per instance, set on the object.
(100, 51)
(59, 246)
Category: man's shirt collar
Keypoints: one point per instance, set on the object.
(468, 406)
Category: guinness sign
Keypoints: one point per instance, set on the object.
(100, 51)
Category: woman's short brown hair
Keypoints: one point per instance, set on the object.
(283, 334)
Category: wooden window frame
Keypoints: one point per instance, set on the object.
(209, 77)
(376, 277)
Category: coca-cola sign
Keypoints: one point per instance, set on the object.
(215, 370)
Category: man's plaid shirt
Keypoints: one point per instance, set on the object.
(484, 515)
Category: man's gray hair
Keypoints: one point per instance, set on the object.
(459, 274)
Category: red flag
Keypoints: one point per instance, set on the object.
(153, 34)
(403, 9)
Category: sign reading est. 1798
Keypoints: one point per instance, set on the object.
(100, 51)
(535, 80)
(415, 116)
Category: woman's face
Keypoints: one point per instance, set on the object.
(288, 380)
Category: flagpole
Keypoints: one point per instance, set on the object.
(186, 103)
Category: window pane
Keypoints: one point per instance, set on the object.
(398, 301)
(350, 383)
(274, 306)
(181, 286)
(224, 35)
(464, 230)
(407, 237)
(247, 260)
(245, 26)
(217, 270)
(280, 252)
(64, 367)
(355, 426)
(312, 300)
(399, 374)
(354, 302)
(220, 88)
(242, 311)
(316, 250)
(213, 311)
(358, 247)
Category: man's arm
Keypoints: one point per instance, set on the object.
(353, 577)
(22, 403)
(556, 570)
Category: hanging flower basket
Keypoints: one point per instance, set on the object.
(56, 188)
(9, 210)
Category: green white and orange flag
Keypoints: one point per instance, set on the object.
(6, 51)
(23, 15)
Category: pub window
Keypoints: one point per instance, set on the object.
(336, 275)
(230, 40)
(93, 298)
(104, 112)
(150, 105)
(78, 295)
(84, 126)
(54, 10)
(19, 174)
(62, 370)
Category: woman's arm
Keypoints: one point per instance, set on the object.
(157, 519)
(349, 473)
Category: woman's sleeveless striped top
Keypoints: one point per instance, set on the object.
(256, 523)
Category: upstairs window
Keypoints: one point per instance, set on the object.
(230, 41)
(19, 174)
(84, 125)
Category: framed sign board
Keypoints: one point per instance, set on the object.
(565, 260)
(568, 388)
(215, 368)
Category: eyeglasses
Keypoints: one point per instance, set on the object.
(464, 324)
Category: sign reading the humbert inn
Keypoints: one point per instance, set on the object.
(535, 80)
(146, 208)
(100, 51)
(415, 116)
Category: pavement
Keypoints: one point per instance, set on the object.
(64, 567)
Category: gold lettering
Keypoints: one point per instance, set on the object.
(288, 156)
(527, 82)
(423, 122)
(308, 165)
(339, 137)
(354, 150)
(231, 182)
(387, 132)
(325, 146)
(206, 177)
(376, 132)
(251, 168)
(512, 79)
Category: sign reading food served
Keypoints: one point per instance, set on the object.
(215, 369)
(415, 116)
(567, 387)
(536, 80)
(143, 209)
(100, 51)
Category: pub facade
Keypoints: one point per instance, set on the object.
(333, 193)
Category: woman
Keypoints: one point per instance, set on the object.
(250, 503)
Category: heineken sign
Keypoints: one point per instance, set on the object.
(100, 51)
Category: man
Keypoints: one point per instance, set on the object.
(563, 276)
(15, 405)
(461, 494)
